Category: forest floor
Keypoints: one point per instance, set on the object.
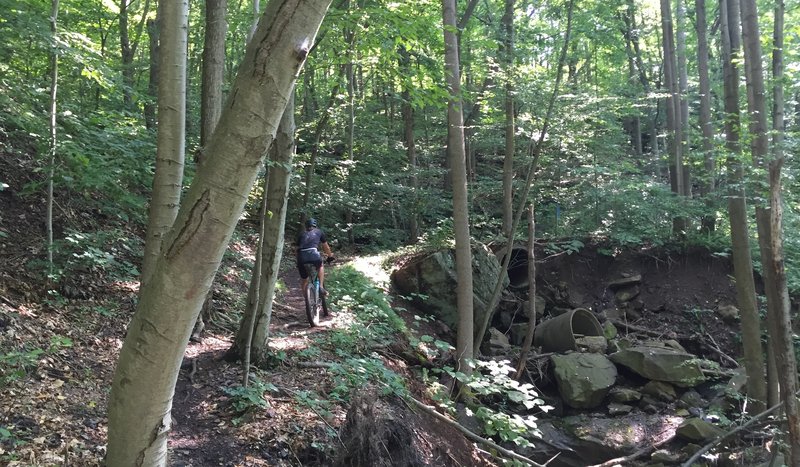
(59, 345)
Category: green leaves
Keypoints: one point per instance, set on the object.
(244, 399)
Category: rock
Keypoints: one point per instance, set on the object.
(698, 430)
(614, 313)
(540, 307)
(434, 275)
(661, 364)
(662, 455)
(625, 281)
(615, 408)
(518, 331)
(692, 398)
(506, 318)
(728, 313)
(674, 345)
(620, 394)
(498, 342)
(660, 390)
(651, 404)
(617, 437)
(583, 379)
(592, 344)
(627, 294)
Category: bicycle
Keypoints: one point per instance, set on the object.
(315, 303)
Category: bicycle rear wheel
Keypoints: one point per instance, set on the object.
(312, 305)
(324, 304)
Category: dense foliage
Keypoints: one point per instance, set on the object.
(589, 181)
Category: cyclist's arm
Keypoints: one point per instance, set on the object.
(326, 248)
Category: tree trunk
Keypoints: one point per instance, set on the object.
(411, 149)
(51, 163)
(707, 184)
(683, 89)
(152, 83)
(170, 151)
(526, 344)
(673, 104)
(213, 67)
(508, 160)
(128, 47)
(277, 194)
(769, 218)
(351, 127)
(144, 381)
(457, 157)
(211, 102)
(737, 212)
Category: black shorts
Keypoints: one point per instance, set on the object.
(301, 267)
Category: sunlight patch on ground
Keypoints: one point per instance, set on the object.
(371, 266)
(293, 342)
(210, 343)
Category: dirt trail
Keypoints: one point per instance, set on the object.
(203, 433)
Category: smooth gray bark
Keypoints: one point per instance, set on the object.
(276, 195)
(213, 67)
(171, 139)
(456, 154)
(149, 362)
(737, 212)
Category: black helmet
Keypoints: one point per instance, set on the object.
(311, 223)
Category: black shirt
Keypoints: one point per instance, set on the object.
(311, 239)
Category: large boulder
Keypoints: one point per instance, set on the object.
(583, 379)
(433, 276)
(661, 364)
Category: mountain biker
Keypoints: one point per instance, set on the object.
(308, 243)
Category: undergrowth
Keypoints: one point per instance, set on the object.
(505, 408)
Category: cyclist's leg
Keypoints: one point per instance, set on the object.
(301, 268)
(321, 274)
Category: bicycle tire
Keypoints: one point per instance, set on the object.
(312, 305)
(324, 303)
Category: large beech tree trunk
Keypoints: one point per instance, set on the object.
(769, 223)
(149, 362)
(168, 178)
(456, 154)
(737, 211)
